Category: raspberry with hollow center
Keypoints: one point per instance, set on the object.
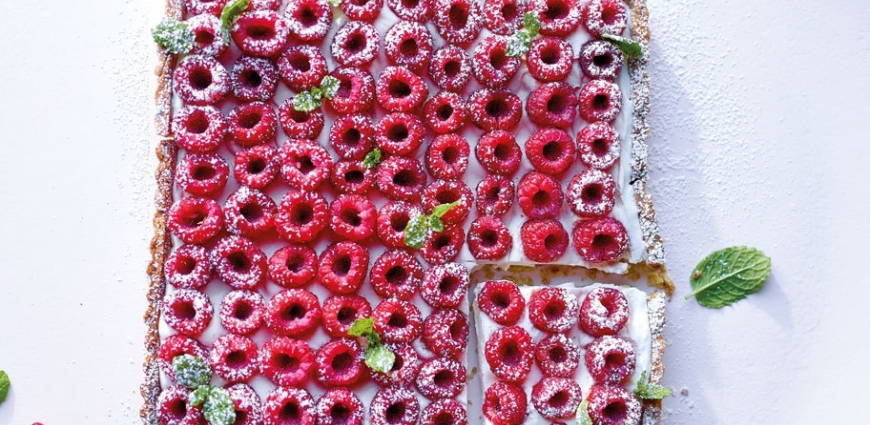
(399, 133)
(256, 167)
(446, 112)
(444, 285)
(404, 368)
(411, 10)
(352, 136)
(340, 311)
(450, 68)
(304, 164)
(300, 124)
(550, 59)
(200, 80)
(202, 174)
(442, 247)
(253, 124)
(396, 274)
(187, 311)
(302, 67)
(442, 192)
(289, 406)
(613, 405)
(445, 332)
(604, 312)
(604, 17)
(600, 240)
(195, 220)
(440, 377)
(558, 17)
(550, 150)
(199, 129)
(253, 79)
(489, 239)
(301, 216)
(293, 312)
(553, 310)
(393, 218)
(173, 407)
(286, 362)
(552, 104)
(399, 89)
(610, 360)
(293, 266)
(503, 17)
(447, 156)
(249, 410)
(351, 177)
(445, 411)
(599, 145)
(234, 358)
(539, 195)
(556, 398)
(338, 363)
(458, 21)
(239, 262)
(505, 404)
(544, 240)
(339, 406)
(499, 153)
(401, 178)
(343, 267)
(397, 321)
(600, 59)
(249, 213)
(176, 345)
(353, 217)
(309, 20)
(495, 195)
(261, 33)
(508, 353)
(591, 193)
(355, 44)
(242, 312)
(502, 301)
(356, 91)
(408, 44)
(490, 63)
(395, 406)
(600, 100)
(557, 355)
(187, 267)
(495, 110)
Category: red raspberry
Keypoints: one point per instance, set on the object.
(600, 240)
(495, 195)
(442, 192)
(304, 164)
(173, 408)
(445, 411)
(399, 133)
(198, 7)
(553, 310)
(355, 44)
(299, 124)
(613, 405)
(309, 20)
(256, 167)
(489, 239)
(450, 68)
(591, 193)
(293, 312)
(556, 398)
(499, 153)
(557, 355)
(339, 406)
(550, 59)
(396, 274)
(242, 312)
(441, 377)
(395, 406)
(352, 178)
(393, 218)
(195, 220)
(550, 150)
(302, 67)
(404, 369)
(604, 17)
(239, 262)
(603, 312)
(401, 179)
(458, 21)
(408, 44)
(338, 363)
(411, 10)
(199, 129)
(398, 89)
(362, 10)
(558, 17)
(501, 301)
(495, 110)
(508, 353)
(353, 217)
(187, 311)
(503, 17)
(610, 360)
(187, 267)
(397, 321)
(249, 213)
(207, 35)
(253, 124)
(264, 5)
(539, 195)
(552, 104)
(445, 332)
(445, 285)
(289, 406)
(442, 247)
(253, 79)
(261, 33)
(599, 59)
(505, 404)
(600, 100)
(343, 267)
(234, 358)
(446, 112)
(286, 362)
(201, 80)
(352, 136)
(447, 156)
(293, 265)
(356, 91)
(544, 240)
(340, 311)
(176, 345)
(492, 66)
(249, 410)
(599, 145)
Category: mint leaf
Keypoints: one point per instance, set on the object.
(335, 3)
(531, 23)
(362, 327)
(219, 408)
(175, 36)
(305, 102)
(199, 395)
(515, 47)
(229, 14)
(329, 86)
(372, 159)
(645, 391)
(436, 224)
(583, 413)
(519, 43)
(4, 386)
(191, 371)
(379, 358)
(729, 275)
(628, 46)
(442, 209)
(416, 231)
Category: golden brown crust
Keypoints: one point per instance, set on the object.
(652, 409)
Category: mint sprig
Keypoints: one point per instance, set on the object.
(310, 100)
(645, 391)
(729, 275)
(193, 373)
(377, 356)
(628, 46)
(4, 386)
(582, 415)
(521, 41)
(230, 14)
(175, 36)
(372, 159)
(335, 3)
(419, 226)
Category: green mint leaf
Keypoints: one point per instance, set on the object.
(442, 209)
(531, 23)
(628, 46)
(379, 358)
(372, 158)
(191, 371)
(518, 44)
(4, 386)
(219, 408)
(436, 224)
(229, 14)
(645, 391)
(317, 94)
(199, 395)
(583, 413)
(362, 327)
(729, 275)
(175, 36)
(416, 231)
(335, 3)
(329, 86)
(305, 102)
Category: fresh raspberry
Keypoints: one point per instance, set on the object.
(558, 17)
(599, 145)
(293, 265)
(397, 321)
(352, 178)
(207, 35)
(447, 156)
(495, 110)
(550, 150)
(249, 409)
(495, 195)
(442, 192)
(187, 267)
(187, 311)
(508, 353)
(604, 17)
(599, 59)
(557, 355)
(499, 153)
(395, 406)
(362, 10)
(501, 301)
(286, 362)
(176, 345)
(404, 369)
(173, 407)
(458, 21)
(444, 246)
(261, 33)
(195, 220)
(489, 239)
(600, 100)
(445, 332)
(600, 240)
(445, 285)
(411, 10)
(505, 404)
(393, 218)
(199, 129)
(309, 20)
(198, 7)
(445, 411)
(550, 59)
(401, 178)
(446, 112)
(503, 17)
(338, 363)
(553, 310)
(339, 406)
(552, 104)
(399, 133)
(253, 79)
(610, 360)
(355, 44)
(264, 5)
(613, 405)
(201, 80)
(539, 195)
(399, 89)
(234, 358)
(242, 312)
(340, 311)
(408, 44)
(356, 91)
(353, 217)
(556, 398)
(302, 67)
(304, 164)
(441, 377)
(299, 124)
(343, 267)
(239, 262)
(287, 406)
(256, 167)
(591, 193)
(544, 240)
(492, 66)
(293, 312)
(253, 124)
(352, 136)
(396, 274)
(450, 68)
(249, 213)
(604, 312)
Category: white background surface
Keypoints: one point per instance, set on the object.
(758, 137)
